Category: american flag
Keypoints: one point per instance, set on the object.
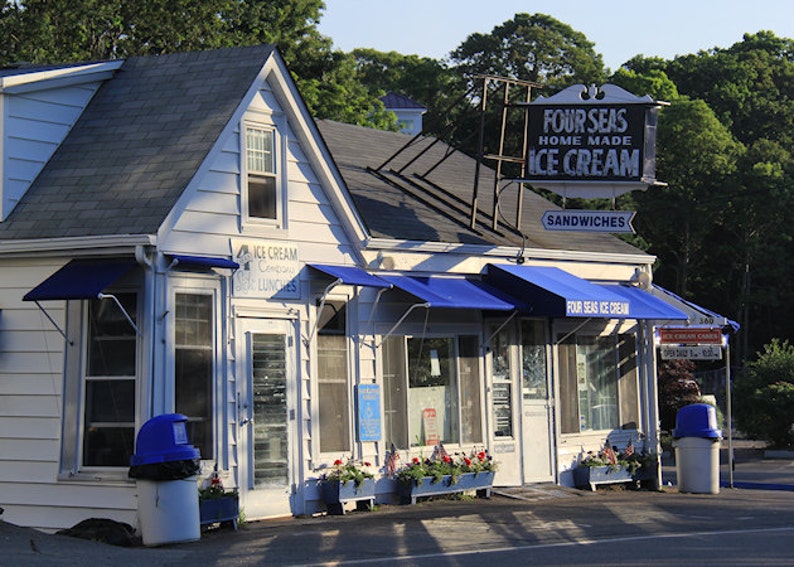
(629, 450)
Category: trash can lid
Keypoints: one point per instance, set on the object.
(163, 439)
(697, 420)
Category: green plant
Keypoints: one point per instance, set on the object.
(766, 395)
(441, 464)
(214, 488)
(626, 459)
(348, 470)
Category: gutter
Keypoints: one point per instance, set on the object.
(78, 245)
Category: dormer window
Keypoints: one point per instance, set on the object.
(262, 184)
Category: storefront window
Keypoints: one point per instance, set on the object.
(598, 383)
(332, 378)
(425, 380)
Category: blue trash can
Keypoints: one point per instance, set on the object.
(165, 466)
(696, 439)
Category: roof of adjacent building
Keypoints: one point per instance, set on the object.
(137, 145)
(395, 100)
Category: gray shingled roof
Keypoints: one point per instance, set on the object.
(403, 201)
(137, 145)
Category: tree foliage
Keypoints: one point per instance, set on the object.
(766, 391)
(63, 31)
(532, 47)
(677, 388)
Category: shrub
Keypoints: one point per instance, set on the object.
(764, 395)
(677, 388)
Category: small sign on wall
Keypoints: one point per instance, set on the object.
(268, 269)
(369, 425)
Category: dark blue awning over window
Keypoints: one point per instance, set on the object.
(80, 279)
(552, 292)
(696, 315)
(351, 275)
(203, 262)
(643, 305)
(453, 292)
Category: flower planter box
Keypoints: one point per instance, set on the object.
(222, 510)
(591, 477)
(336, 494)
(482, 483)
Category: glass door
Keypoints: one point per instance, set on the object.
(268, 418)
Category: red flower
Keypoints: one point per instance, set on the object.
(337, 462)
(367, 464)
(467, 461)
(415, 460)
(447, 459)
(481, 455)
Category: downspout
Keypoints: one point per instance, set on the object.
(150, 289)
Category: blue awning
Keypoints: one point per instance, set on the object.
(552, 292)
(80, 279)
(202, 262)
(697, 316)
(643, 305)
(452, 292)
(351, 275)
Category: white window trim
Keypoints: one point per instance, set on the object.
(595, 328)
(73, 423)
(351, 373)
(255, 225)
(199, 286)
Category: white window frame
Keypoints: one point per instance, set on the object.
(613, 329)
(261, 224)
(351, 406)
(186, 285)
(75, 388)
(456, 355)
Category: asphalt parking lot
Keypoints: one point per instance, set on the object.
(549, 524)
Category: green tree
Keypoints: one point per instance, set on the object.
(535, 48)
(697, 157)
(765, 395)
(63, 31)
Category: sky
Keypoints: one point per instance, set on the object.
(619, 29)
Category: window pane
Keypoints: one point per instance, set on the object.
(627, 370)
(596, 360)
(432, 391)
(109, 423)
(194, 368)
(259, 150)
(333, 393)
(395, 409)
(533, 360)
(112, 342)
(108, 446)
(109, 408)
(262, 197)
(569, 397)
(502, 384)
(470, 407)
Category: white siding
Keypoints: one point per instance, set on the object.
(33, 125)
(31, 404)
